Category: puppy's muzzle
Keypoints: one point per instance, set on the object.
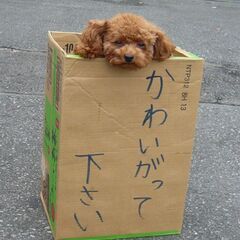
(128, 58)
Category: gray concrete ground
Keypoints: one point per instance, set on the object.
(208, 28)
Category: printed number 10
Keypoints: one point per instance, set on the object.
(69, 47)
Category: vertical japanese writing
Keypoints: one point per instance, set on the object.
(49, 68)
(88, 195)
(153, 117)
(58, 81)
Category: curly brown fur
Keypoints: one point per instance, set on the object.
(127, 40)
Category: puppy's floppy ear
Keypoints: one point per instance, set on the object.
(97, 28)
(163, 47)
(91, 44)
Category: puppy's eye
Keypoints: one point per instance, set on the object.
(141, 45)
(119, 43)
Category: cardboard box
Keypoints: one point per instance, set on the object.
(117, 143)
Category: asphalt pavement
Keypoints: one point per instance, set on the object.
(207, 28)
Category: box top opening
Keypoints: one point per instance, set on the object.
(66, 41)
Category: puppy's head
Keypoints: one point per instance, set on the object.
(129, 40)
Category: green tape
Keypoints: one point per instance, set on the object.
(133, 235)
(191, 55)
(51, 142)
(74, 56)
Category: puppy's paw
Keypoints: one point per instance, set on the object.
(85, 52)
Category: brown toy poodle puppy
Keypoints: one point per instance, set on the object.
(126, 40)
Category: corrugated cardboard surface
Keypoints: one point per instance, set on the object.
(125, 145)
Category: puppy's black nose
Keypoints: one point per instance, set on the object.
(128, 58)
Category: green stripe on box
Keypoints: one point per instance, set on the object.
(193, 55)
(74, 56)
(133, 235)
(51, 142)
(189, 56)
